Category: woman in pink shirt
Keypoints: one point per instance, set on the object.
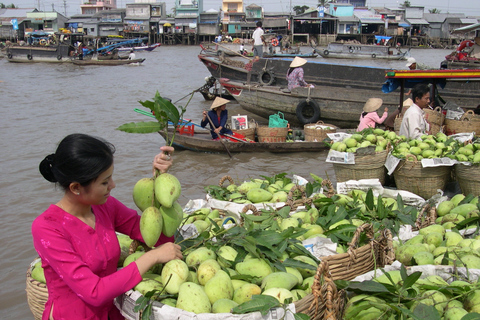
(369, 117)
(76, 237)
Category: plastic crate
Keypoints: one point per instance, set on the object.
(186, 129)
(277, 121)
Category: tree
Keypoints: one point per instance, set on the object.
(406, 4)
(12, 6)
(434, 10)
(300, 9)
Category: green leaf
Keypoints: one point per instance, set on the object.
(471, 316)
(369, 200)
(140, 127)
(368, 286)
(298, 264)
(422, 311)
(411, 279)
(301, 316)
(261, 303)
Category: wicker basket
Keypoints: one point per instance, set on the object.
(37, 294)
(247, 133)
(426, 217)
(356, 261)
(468, 178)
(469, 122)
(397, 123)
(325, 302)
(411, 176)
(317, 132)
(371, 166)
(266, 134)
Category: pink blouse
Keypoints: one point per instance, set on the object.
(80, 263)
(370, 120)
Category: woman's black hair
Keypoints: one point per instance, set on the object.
(79, 158)
(364, 113)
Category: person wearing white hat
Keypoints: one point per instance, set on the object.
(218, 115)
(411, 63)
(369, 117)
(295, 74)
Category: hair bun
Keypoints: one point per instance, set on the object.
(45, 168)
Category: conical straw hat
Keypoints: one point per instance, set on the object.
(372, 104)
(218, 102)
(297, 62)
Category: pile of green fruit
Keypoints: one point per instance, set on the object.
(266, 190)
(365, 138)
(435, 245)
(460, 212)
(396, 295)
(245, 262)
(157, 198)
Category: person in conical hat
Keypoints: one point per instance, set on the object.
(295, 74)
(369, 117)
(217, 118)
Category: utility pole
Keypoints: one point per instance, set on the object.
(65, 7)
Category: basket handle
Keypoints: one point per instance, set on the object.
(280, 113)
(252, 208)
(467, 115)
(438, 109)
(367, 228)
(430, 217)
(325, 290)
(331, 190)
(320, 122)
(222, 180)
(134, 245)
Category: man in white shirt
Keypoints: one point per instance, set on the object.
(131, 56)
(258, 41)
(414, 124)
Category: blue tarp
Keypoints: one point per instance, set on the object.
(382, 38)
(391, 85)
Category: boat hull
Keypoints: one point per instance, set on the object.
(31, 54)
(119, 62)
(141, 48)
(203, 143)
(361, 51)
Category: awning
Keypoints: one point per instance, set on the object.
(417, 21)
(168, 24)
(467, 28)
(371, 21)
(403, 24)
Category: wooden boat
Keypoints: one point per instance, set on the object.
(341, 83)
(342, 106)
(203, 142)
(141, 48)
(118, 62)
(281, 54)
(361, 51)
(60, 50)
(451, 64)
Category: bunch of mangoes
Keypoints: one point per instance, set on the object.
(449, 301)
(157, 199)
(437, 246)
(459, 208)
(365, 138)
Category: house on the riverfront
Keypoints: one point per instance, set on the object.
(7, 29)
(93, 6)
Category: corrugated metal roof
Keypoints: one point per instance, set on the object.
(467, 28)
(417, 21)
(15, 13)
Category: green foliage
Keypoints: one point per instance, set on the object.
(165, 113)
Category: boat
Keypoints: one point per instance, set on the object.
(203, 142)
(141, 48)
(110, 62)
(342, 105)
(286, 54)
(46, 47)
(347, 50)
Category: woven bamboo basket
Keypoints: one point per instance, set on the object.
(411, 176)
(267, 134)
(359, 260)
(468, 178)
(37, 294)
(317, 131)
(371, 166)
(469, 122)
(247, 133)
(397, 123)
(325, 302)
(426, 217)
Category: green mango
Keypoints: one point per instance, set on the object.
(280, 293)
(254, 267)
(192, 298)
(174, 274)
(147, 285)
(197, 256)
(223, 306)
(445, 207)
(172, 218)
(151, 224)
(143, 194)
(219, 287)
(279, 280)
(167, 189)
(206, 270)
(257, 195)
(245, 293)
(38, 273)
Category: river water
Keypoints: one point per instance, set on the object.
(42, 103)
